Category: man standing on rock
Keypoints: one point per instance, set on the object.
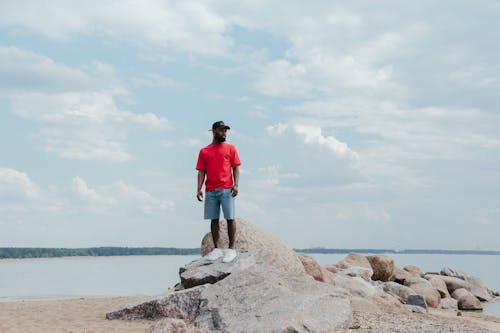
(219, 163)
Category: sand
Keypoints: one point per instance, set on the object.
(80, 315)
(87, 315)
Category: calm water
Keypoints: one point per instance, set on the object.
(150, 275)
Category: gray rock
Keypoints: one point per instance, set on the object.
(259, 298)
(311, 267)
(448, 303)
(416, 280)
(453, 273)
(400, 275)
(202, 270)
(431, 295)
(356, 286)
(440, 286)
(478, 288)
(354, 259)
(250, 237)
(414, 270)
(383, 267)
(362, 272)
(405, 294)
(466, 301)
(452, 283)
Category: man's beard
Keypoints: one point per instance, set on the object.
(219, 138)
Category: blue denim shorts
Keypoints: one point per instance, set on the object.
(214, 200)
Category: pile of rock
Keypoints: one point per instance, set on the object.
(271, 288)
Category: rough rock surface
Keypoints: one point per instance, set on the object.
(354, 259)
(416, 280)
(405, 294)
(452, 283)
(260, 298)
(332, 268)
(400, 275)
(431, 295)
(356, 286)
(466, 301)
(478, 288)
(440, 286)
(362, 272)
(448, 303)
(202, 270)
(447, 271)
(383, 267)
(414, 270)
(311, 267)
(251, 237)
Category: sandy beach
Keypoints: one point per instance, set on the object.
(87, 315)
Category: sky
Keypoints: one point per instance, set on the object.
(359, 124)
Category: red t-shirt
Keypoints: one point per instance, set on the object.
(217, 161)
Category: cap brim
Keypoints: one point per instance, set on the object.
(225, 127)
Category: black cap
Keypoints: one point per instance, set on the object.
(220, 124)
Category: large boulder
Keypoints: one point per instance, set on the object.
(405, 294)
(412, 280)
(440, 286)
(383, 267)
(431, 295)
(356, 286)
(362, 272)
(466, 301)
(447, 271)
(479, 289)
(448, 303)
(171, 325)
(311, 267)
(414, 270)
(260, 298)
(452, 283)
(250, 237)
(353, 259)
(400, 275)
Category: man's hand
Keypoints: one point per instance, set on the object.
(234, 191)
(199, 196)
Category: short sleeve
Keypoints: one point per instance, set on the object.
(235, 159)
(200, 165)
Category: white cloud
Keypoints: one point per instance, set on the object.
(16, 183)
(83, 125)
(169, 25)
(119, 195)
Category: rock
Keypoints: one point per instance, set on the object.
(448, 303)
(202, 270)
(379, 303)
(332, 268)
(431, 295)
(440, 286)
(452, 283)
(362, 272)
(382, 265)
(260, 298)
(170, 325)
(327, 275)
(354, 259)
(497, 293)
(311, 267)
(414, 270)
(356, 286)
(412, 280)
(405, 294)
(250, 237)
(479, 289)
(466, 301)
(453, 273)
(400, 275)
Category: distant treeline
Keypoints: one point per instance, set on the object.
(40, 252)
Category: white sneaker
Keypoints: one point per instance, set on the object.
(215, 254)
(229, 255)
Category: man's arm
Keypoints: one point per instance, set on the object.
(236, 179)
(201, 179)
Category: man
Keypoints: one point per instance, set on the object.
(219, 164)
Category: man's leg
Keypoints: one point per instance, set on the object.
(231, 232)
(214, 228)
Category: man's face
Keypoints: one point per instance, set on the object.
(220, 134)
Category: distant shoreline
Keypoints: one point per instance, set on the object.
(37, 252)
